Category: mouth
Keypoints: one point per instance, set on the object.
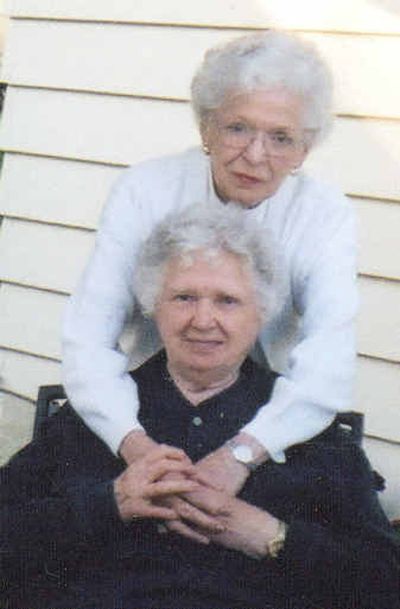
(247, 180)
(203, 345)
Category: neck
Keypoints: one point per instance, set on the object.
(198, 386)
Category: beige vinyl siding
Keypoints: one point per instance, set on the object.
(53, 190)
(358, 16)
(96, 86)
(25, 371)
(30, 320)
(33, 254)
(93, 62)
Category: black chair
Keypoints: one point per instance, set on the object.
(52, 397)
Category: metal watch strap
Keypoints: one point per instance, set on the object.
(276, 544)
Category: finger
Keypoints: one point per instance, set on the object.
(170, 487)
(214, 503)
(197, 517)
(206, 479)
(177, 526)
(168, 452)
(164, 466)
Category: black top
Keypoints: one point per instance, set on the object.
(63, 545)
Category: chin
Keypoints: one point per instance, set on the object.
(249, 199)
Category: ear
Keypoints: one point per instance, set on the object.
(300, 156)
(206, 134)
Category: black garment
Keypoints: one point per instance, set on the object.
(63, 545)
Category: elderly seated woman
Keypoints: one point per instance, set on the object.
(80, 530)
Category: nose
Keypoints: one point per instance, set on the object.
(255, 151)
(203, 315)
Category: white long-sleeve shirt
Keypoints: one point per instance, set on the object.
(311, 342)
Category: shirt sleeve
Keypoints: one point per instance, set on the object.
(94, 369)
(320, 374)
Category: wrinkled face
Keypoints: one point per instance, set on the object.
(249, 169)
(207, 313)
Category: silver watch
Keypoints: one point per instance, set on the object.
(243, 453)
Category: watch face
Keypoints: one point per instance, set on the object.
(243, 453)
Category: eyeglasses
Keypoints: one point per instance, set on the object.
(278, 142)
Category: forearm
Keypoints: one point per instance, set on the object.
(319, 365)
(94, 369)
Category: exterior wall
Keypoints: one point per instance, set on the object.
(96, 86)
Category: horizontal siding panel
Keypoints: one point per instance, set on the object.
(166, 58)
(23, 374)
(52, 190)
(385, 458)
(362, 156)
(379, 319)
(163, 58)
(41, 255)
(30, 320)
(377, 395)
(362, 68)
(379, 235)
(359, 15)
(100, 128)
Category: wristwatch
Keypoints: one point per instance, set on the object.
(243, 453)
(276, 544)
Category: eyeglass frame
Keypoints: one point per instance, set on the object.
(291, 145)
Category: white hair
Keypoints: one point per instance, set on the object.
(210, 229)
(266, 60)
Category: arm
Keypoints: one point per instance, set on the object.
(319, 379)
(94, 370)
(339, 550)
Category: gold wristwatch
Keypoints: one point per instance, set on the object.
(276, 544)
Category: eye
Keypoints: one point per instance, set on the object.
(282, 138)
(184, 297)
(237, 128)
(228, 300)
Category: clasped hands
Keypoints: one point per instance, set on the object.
(195, 500)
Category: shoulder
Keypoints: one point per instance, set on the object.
(318, 196)
(167, 168)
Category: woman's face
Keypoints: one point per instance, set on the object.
(207, 314)
(255, 140)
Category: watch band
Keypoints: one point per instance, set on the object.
(243, 453)
(276, 544)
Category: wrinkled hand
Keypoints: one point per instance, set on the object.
(145, 481)
(197, 512)
(220, 470)
(136, 445)
(248, 529)
(245, 528)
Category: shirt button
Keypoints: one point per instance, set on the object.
(197, 421)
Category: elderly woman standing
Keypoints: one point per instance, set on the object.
(261, 101)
